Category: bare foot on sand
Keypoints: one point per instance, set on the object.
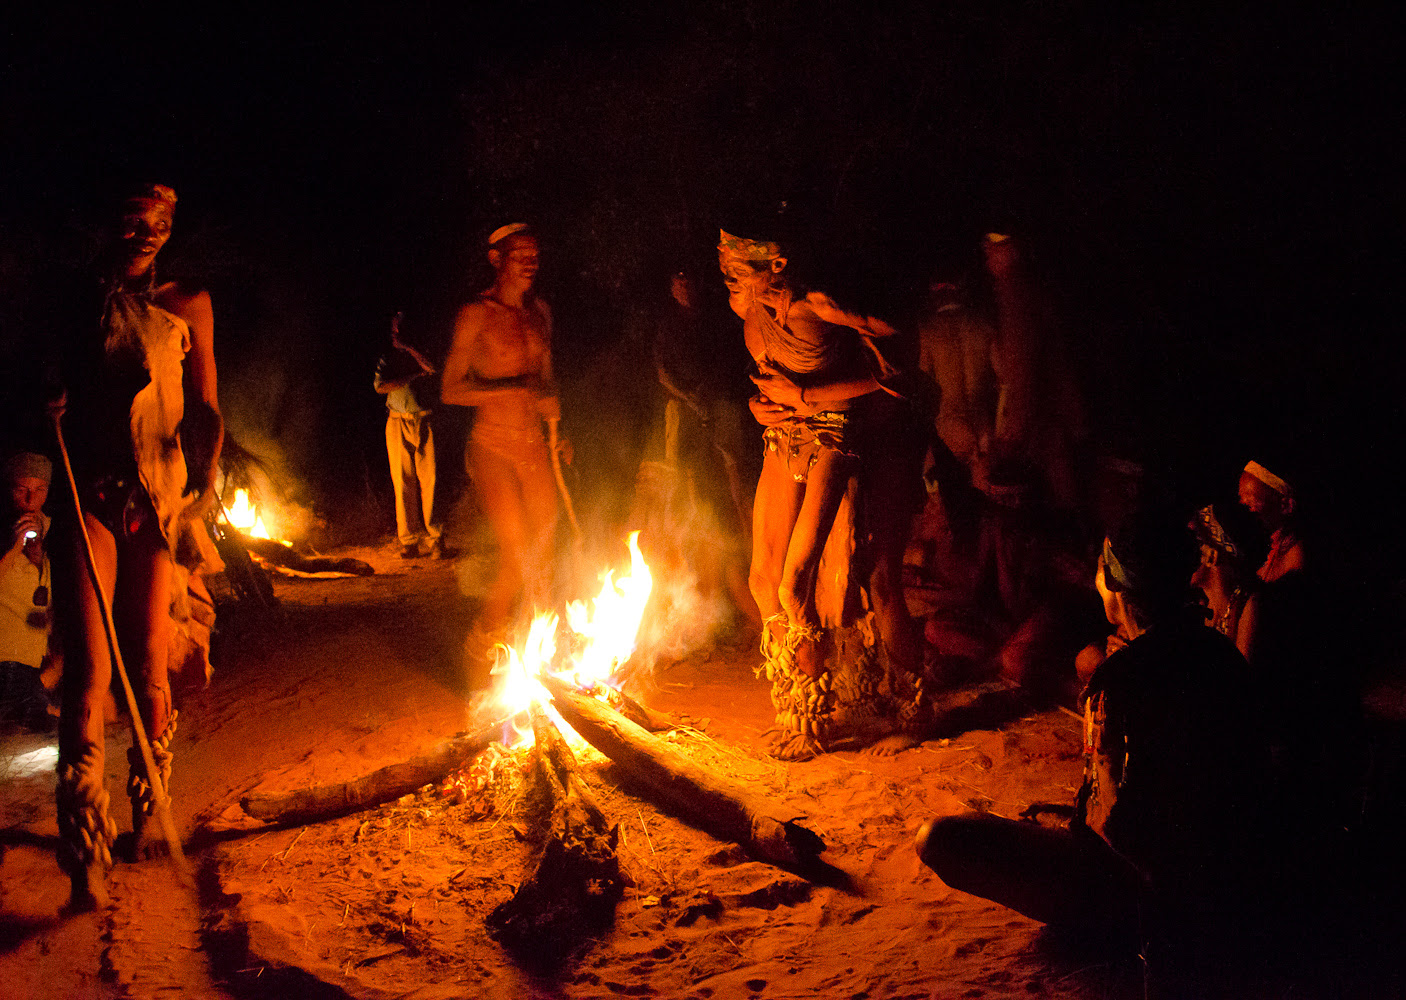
(147, 843)
(890, 746)
(89, 890)
(795, 747)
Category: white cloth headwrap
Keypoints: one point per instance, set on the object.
(1269, 479)
(503, 232)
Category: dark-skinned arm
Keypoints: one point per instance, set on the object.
(203, 427)
(781, 389)
(460, 385)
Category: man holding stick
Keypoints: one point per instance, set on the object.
(139, 391)
(500, 363)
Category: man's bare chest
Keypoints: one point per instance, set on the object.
(511, 345)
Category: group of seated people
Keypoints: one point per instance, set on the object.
(1195, 732)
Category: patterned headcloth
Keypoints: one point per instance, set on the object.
(756, 250)
(1116, 574)
(1269, 479)
(1208, 531)
(503, 232)
(158, 193)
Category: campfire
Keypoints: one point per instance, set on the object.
(243, 515)
(602, 639)
(271, 552)
(559, 688)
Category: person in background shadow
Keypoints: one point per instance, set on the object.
(24, 590)
(1272, 500)
(1232, 545)
(409, 442)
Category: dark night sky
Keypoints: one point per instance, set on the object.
(1212, 195)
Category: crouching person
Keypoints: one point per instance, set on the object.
(1161, 834)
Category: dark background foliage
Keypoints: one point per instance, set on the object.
(1211, 196)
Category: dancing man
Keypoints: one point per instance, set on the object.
(500, 363)
(820, 396)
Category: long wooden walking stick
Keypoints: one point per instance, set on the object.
(161, 802)
(561, 481)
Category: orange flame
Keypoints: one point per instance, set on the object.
(243, 515)
(605, 631)
(612, 622)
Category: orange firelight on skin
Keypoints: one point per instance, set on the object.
(604, 628)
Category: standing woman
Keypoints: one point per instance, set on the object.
(143, 429)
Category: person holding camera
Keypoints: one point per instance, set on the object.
(24, 590)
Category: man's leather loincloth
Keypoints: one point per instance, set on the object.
(524, 448)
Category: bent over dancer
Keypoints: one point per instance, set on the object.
(140, 395)
(820, 399)
(500, 363)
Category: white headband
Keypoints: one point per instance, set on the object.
(1269, 479)
(503, 232)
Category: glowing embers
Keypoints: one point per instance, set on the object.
(602, 639)
(243, 515)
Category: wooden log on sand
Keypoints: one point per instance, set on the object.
(284, 556)
(577, 882)
(672, 780)
(322, 802)
(645, 718)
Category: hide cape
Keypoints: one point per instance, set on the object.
(140, 338)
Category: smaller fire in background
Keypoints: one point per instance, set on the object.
(244, 516)
(603, 635)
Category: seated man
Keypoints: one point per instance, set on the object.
(1173, 766)
(1271, 499)
(24, 589)
(1233, 546)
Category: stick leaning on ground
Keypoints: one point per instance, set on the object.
(161, 802)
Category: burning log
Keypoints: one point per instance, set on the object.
(675, 782)
(284, 556)
(645, 718)
(577, 882)
(246, 578)
(323, 802)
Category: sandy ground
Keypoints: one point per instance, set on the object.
(362, 672)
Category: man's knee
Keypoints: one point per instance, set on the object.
(953, 846)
